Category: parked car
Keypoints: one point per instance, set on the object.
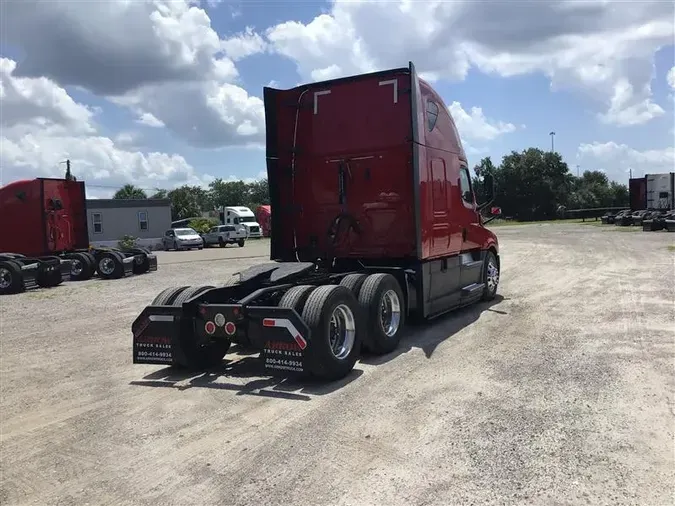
(182, 238)
(226, 234)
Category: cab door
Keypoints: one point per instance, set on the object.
(471, 262)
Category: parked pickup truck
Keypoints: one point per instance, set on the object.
(226, 234)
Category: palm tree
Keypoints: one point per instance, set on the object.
(129, 191)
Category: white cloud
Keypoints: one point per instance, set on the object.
(148, 119)
(160, 58)
(604, 48)
(670, 78)
(39, 103)
(243, 44)
(47, 127)
(475, 126)
(617, 160)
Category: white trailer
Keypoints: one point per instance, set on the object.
(237, 215)
(660, 190)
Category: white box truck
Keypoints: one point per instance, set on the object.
(660, 190)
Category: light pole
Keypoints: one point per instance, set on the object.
(552, 134)
(577, 171)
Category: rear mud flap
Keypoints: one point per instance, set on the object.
(66, 266)
(283, 338)
(128, 264)
(155, 335)
(30, 273)
(152, 258)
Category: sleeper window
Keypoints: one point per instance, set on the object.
(432, 115)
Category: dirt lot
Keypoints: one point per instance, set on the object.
(561, 392)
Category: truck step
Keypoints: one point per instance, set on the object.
(473, 289)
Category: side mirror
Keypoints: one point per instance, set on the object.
(489, 185)
(496, 211)
(489, 191)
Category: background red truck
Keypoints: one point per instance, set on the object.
(264, 216)
(375, 220)
(45, 238)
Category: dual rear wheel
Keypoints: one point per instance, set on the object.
(363, 311)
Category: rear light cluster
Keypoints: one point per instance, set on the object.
(210, 327)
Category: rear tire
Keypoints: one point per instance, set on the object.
(332, 314)
(110, 265)
(221, 243)
(81, 268)
(192, 354)
(296, 297)
(235, 279)
(381, 300)
(241, 243)
(167, 296)
(354, 282)
(11, 277)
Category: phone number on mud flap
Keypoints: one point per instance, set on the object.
(154, 355)
(283, 364)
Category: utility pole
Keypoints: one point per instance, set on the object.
(552, 134)
(69, 175)
(577, 171)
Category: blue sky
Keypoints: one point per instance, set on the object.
(509, 89)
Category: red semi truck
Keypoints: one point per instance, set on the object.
(264, 216)
(374, 221)
(45, 238)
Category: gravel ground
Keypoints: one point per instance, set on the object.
(559, 392)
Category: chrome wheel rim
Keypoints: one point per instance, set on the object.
(5, 278)
(75, 268)
(390, 313)
(492, 276)
(107, 265)
(342, 332)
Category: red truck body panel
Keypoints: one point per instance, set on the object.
(263, 215)
(43, 217)
(366, 148)
(637, 190)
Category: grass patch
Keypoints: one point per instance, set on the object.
(671, 247)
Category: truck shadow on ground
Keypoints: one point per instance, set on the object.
(428, 335)
(243, 364)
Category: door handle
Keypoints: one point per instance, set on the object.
(463, 234)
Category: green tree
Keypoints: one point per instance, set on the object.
(229, 193)
(129, 191)
(532, 185)
(620, 194)
(258, 193)
(184, 203)
(160, 194)
(202, 225)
